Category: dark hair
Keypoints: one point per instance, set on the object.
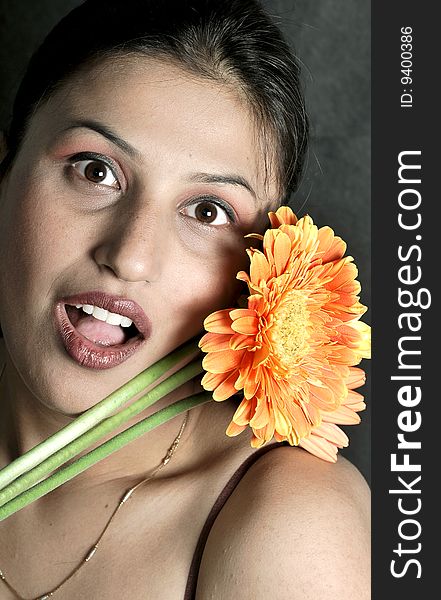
(234, 41)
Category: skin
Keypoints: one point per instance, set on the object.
(61, 234)
(137, 235)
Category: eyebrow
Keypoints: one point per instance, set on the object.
(105, 131)
(225, 179)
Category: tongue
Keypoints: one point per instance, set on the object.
(99, 332)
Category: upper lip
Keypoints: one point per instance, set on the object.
(117, 304)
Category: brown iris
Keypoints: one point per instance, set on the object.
(95, 171)
(206, 212)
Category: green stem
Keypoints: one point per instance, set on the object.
(94, 415)
(98, 432)
(98, 454)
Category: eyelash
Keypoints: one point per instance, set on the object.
(99, 158)
(111, 166)
(217, 202)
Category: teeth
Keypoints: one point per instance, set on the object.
(125, 321)
(100, 313)
(113, 319)
(104, 315)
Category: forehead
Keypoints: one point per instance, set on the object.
(165, 112)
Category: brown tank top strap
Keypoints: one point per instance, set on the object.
(190, 590)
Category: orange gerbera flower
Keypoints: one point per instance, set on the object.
(293, 349)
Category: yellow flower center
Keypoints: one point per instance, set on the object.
(290, 330)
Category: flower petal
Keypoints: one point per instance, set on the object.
(283, 215)
(221, 362)
(262, 414)
(260, 356)
(332, 433)
(238, 313)
(214, 342)
(357, 378)
(234, 429)
(282, 252)
(333, 247)
(246, 325)
(210, 381)
(239, 341)
(259, 269)
(226, 389)
(244, 412)
(320, 447)
(218, 322)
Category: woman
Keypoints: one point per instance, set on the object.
(147, 139)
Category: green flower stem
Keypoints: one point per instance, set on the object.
(94, 415)
(98, 454)
(96, 433)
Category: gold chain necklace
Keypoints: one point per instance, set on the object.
(124, 499)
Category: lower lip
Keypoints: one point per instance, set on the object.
(86, 353)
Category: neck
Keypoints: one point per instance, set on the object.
(25, 422)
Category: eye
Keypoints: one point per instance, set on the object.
(210, 212)
(96, 170)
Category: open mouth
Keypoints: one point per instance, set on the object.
(95, 336)
(102, 329)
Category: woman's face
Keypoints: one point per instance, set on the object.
(139, 182)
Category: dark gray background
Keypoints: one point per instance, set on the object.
(332, 40)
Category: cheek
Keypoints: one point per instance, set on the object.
(207, 283)
(34, 237)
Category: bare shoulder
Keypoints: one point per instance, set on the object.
(295, 527)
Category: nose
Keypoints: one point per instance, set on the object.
(134, 244)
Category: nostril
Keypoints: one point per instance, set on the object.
(126, 261)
